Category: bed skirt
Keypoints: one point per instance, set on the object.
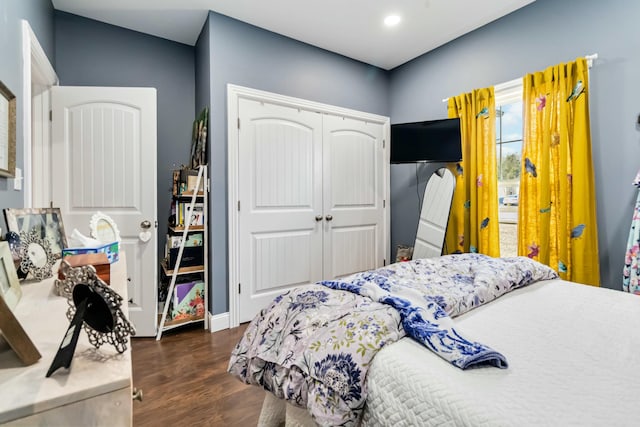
(277, 413)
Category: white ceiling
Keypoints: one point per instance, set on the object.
(352, 28)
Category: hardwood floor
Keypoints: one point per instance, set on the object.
(185, 381)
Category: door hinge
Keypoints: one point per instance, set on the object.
(384, 203)
(383, 143)
(239, 288)
(50, 115)
(238, 122)
(238, 205)
(384, 262)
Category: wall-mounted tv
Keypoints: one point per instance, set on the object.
(430, 141)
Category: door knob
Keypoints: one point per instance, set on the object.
(328, 217)
(318, 217)
(145, 224)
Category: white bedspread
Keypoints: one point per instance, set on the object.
(574, 359)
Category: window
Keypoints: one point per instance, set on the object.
(508, 97)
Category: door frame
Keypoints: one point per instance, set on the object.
(37, 72)
(234, 94)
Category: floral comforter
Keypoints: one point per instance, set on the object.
(312, 345)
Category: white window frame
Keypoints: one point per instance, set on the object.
(508, 92)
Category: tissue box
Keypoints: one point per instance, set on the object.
(99, 261)
(110, 249)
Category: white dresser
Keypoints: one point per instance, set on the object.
(95, 391)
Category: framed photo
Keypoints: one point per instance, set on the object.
(7, 132)
(9, 284)
(16, 336)
(46, 221)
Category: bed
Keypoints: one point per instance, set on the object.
(572, 353)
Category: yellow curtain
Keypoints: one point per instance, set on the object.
(473, 221)
(557, 211)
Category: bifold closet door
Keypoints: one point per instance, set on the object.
(353, 188)
(311, 190)
(280, 202)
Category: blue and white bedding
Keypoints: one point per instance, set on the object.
(312, 346)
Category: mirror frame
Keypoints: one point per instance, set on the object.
(435, 190)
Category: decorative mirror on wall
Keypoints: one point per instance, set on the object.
(434, 215)
(103, 228)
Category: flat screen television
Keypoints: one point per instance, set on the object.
(430, 141)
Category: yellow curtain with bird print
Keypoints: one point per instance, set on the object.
(473, 220)
(557, 210)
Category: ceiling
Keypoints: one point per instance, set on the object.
(353, 28)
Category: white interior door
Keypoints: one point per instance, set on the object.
(280, 196)
(353, 196)
(104, 159)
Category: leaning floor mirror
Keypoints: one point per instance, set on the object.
(434, 215)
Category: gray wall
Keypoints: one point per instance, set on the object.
(91, 53)
(203, 73)
(39, 13)
(544, 33)
(248, 56)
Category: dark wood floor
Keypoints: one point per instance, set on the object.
(185, 381)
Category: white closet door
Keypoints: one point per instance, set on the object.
(353, 196)
(280, 195)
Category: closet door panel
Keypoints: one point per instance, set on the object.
(280, 182)
(353, 194)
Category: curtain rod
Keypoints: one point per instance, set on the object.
(589, 58)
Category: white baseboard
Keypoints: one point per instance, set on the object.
(218, 322)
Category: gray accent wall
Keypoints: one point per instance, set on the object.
(248, 56)
(543, 33)
(91, 53)
(39, 14)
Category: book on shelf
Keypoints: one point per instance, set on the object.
(195, 216)
(188, 300)
(193, 239)
(183, 212)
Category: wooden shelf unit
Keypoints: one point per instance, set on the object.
(170, 277)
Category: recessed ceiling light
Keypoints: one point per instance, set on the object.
(391, 20)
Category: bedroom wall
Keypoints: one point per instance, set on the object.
(249, 56)
(91, 53)
(40, 16)
(543, 33)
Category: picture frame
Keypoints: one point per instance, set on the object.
(7, 132)
(104, 228)
(36, 258)
(9, 283)
(47, 221)
(16, 337)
